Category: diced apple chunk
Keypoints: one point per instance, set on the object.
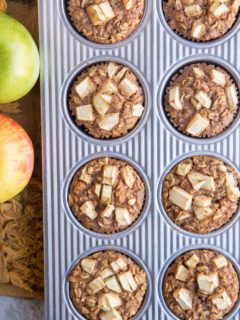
(110, 174)
(207, 283)
(230, 181)
(197, 179)
(199, 73)
(97, 189)
(127, 87)
(106, 273)
(222, 300)
(128, 4)
(183, 298)
(184, 168)
(193, 261)
(197, 30)
(121, 74)
(109, 121)
(197, 125)
(202, 213)
(218, 8)
(112, 69)
(106, 213)
(175, 99)
(112, 314)
(107, 10)
(85, 177)
(101, 103)
(85, 113)
(187, 2)
(85, 87)
(113, 284)
(109, 86)
(106, 194)
(233, 193)
(218, 77)
(203, 98)
(232, 96)
(128, 176)
(202, 201)
(180, 198)
(132, 201)
(88, 209)
(201, 181)
(182, 273)
(236, 5)
(209, 184)
(96, 15)
(193, 10)
(108, 301)
(123, 217)
(220, 262)
(96, 285)
(127, 281)
(118, 265)
(137, 110)
(88, 265)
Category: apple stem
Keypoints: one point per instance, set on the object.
(3, 5)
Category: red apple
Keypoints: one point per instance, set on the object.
(16, 158)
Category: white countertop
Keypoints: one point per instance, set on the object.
(21, 309)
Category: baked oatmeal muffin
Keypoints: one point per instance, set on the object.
(201, 194)
(107, 100)
(203, 20)
(201, 285)
(106, 21)
(107, 195)
(107, 285)
(201, 100)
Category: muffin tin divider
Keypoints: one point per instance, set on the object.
(153, 51)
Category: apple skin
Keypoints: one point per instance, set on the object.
(19, 60)
(16, 158)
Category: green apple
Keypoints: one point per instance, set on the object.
(19, 60)
(16, 158)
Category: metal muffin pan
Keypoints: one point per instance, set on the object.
(128, 253)
(159, 293)
(153, 52)
(73, 219)
(68, 117)
(214, 233)
(194, 44)
(78, 36)
(166, 81)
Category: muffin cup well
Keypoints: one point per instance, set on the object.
(164, 214)
(73, 219)
(78, 36)
(194, 44)
(174, 69)
(161, 299)
(126, 252)
(69, 119)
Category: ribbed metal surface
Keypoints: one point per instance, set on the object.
(153, 51)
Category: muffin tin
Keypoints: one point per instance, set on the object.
(154, 54)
